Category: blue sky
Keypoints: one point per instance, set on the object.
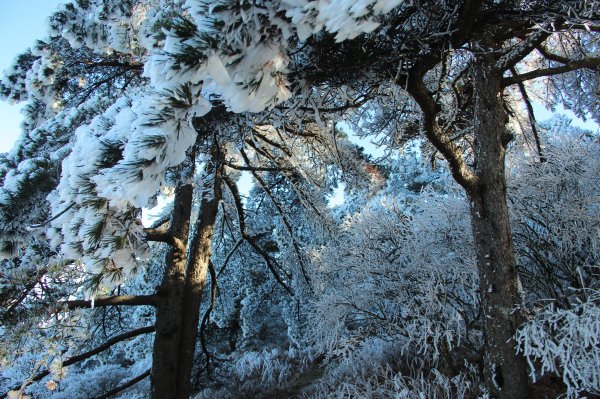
(21, 23)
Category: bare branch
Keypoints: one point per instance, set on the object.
(255, 168)
(250, 240)
(286, 223)
(163, 235)
(124, 386)
(586, 63)
(552, 57)
(434, 132)
(88, 354)
(157, 234)
(206, 317)
(229, 255)
(59, 214)
(25, 292)
(122, 300)
(356, 103)
(531, 115)
(114, 64)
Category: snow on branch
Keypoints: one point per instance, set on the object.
(122, 300)
(86, 355)
(566, 342)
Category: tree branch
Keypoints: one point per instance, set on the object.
(206, 317)
(122, 300)
(531, 115)
(229, 255)
(552, 57)
(284, 219)
(114, 64)
(250, 240)
(162, 235)
(124, 386)
(522, 50)
(434, 132)
(254, 168)
(264, 138)
(356, 103)
(88, 354)
(586, 63)
(59, 214)
(25, 292)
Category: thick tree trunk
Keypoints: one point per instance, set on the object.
(200, 253)
(505, 372)
(165, 360)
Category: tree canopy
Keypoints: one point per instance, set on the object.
(468, 220)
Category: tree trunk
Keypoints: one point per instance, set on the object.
(505, 372)
(200, 253)
(165, 361)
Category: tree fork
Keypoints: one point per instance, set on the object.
(195, 282)
(165, 360)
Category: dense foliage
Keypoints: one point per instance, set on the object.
(456, 257)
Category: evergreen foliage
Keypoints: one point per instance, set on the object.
(446, 271)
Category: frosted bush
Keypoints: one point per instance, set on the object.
(420, 285)
(566, 342)
(261, 373)
(376, 371)
(554, 212)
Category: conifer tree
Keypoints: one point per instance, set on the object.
(187, 95)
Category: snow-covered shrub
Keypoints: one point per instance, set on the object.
(566, 342)
(554, 211)
(261, 373)
(397, 307)
(401, 271)
(377, 371)
(555, 207)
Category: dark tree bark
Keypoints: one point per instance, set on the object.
(485, 187)
(165, 361)
(200, 253)
(505, 372)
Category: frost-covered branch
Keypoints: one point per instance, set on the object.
(88, 354)
(122, 300)
(592, 63)
(249, 239)
(434, 132)
(566, 342)
(124, 386)
(518, 52)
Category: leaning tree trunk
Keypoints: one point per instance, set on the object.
(165, 360)
(200, 253)
(505, 372)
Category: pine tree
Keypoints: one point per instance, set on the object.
(229, 86)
